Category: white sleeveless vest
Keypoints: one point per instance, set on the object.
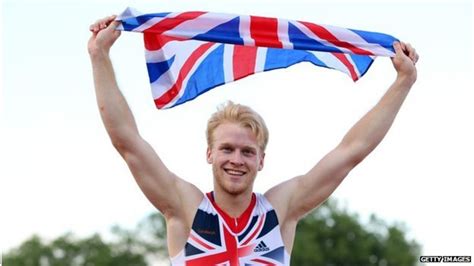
(217, 239)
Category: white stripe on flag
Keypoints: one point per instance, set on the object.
(151, 22)
(167, 79)
(331, 61)
(311, 35)
(253, 229)
(214, 248)
(283, 34)
(228, 61)
(349, 58)
(244, 29)
(186, 79)
(260, 59)
(199, 25)
(148, 24)
(356, 40)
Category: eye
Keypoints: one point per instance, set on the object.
(226, 149)
(248, 152)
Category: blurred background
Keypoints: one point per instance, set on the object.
(67, 198)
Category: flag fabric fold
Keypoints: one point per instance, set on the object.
(189, 53)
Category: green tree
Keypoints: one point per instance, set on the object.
(332, 236)
(67, 250)
(149, 237)
(327, 236)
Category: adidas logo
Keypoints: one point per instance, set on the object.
(261, 247)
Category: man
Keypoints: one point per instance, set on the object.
(232, 225)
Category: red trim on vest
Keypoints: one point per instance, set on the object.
(242, 220)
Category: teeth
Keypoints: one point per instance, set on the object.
(234, 172)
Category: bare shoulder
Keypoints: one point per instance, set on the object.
(280, 196)
(179, 221)
(190, 197)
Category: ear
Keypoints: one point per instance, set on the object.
(262, 160)
(209, 155)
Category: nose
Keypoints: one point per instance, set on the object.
(236, 159)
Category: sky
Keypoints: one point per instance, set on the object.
(59, 172)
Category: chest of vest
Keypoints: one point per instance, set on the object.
(217, 239)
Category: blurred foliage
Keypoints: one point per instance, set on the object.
(332, 236)
(137, 247)
(327, 236)
(67, 250)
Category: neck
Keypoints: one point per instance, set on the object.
(233, 205)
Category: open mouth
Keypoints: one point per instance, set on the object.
(234, 172)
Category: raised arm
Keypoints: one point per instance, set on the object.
(299, 195)
(163, 189)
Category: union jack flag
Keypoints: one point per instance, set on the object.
(189, 53)
(216, 238)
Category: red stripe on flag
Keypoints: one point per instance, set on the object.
(243, 61)
(171, 93)
(231, 247)
(213, 259)
(323, 33)
(235, 224)
(200, 242)
(170, 23)
(231, 254)
(265, 31)
(264, 262)
(257, 230)
(233, 251)
(155, 42)
(345, 61)
(246, 250)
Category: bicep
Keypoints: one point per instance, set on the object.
(321, 181)
(303, 193)
(162, 188)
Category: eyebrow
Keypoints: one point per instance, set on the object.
(224, 145)
(245, 147)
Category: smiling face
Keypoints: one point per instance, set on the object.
(235, 157)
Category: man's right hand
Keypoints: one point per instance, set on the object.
(404, 62)
(104, 35)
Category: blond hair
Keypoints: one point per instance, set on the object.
(242, 115)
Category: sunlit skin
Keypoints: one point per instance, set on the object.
(236, 158)
(234, 152)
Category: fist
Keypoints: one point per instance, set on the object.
(104, 35)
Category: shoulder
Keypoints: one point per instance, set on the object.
(190, 198)
(280, 196)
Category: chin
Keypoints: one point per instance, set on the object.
(235, 191)
(232, 187)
